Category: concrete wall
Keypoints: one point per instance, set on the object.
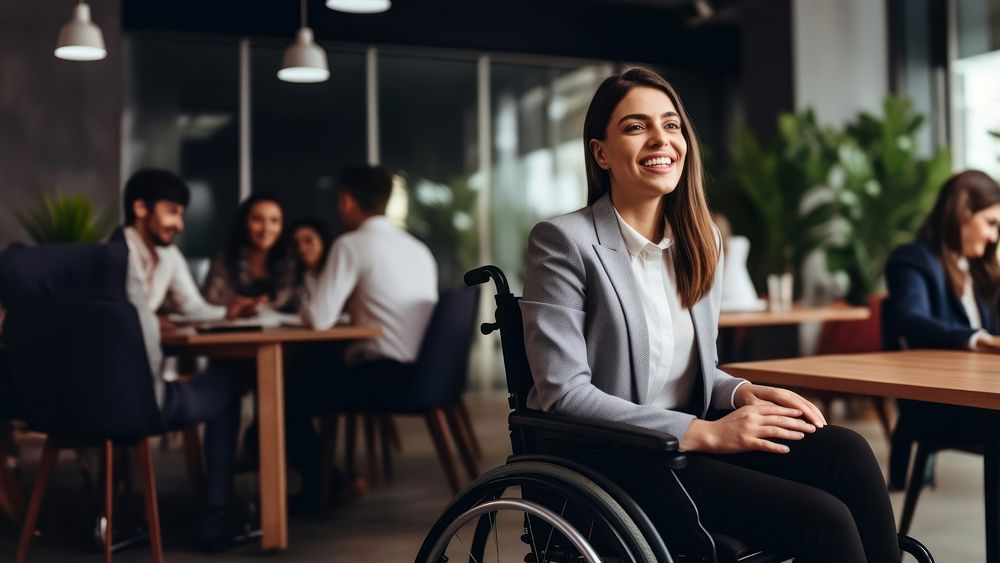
(840, 57)
(59, 120)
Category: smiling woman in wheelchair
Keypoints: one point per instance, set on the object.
(620, 308)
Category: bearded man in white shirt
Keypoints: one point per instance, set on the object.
(379, 275)
(154, 202)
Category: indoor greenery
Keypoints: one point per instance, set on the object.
(855, 193)
(61, 218)
(764, 194)
(886, 192)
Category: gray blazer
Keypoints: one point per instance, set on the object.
(585, 329)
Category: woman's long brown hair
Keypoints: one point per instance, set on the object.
(686, 209)
(961, 196)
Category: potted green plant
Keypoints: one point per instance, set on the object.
(884, 189)
(769, 194)
(61, 218)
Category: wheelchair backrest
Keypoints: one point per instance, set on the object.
(508, 321)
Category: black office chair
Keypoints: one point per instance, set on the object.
(435, 386)
(906, 435)
(79, 370)
(574, 483)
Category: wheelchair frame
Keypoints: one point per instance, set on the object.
(531, 434)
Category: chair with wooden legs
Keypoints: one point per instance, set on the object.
(11, 502)
(435, 386)
(78, 363)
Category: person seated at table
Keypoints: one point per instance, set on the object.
(943, 293)
(311, 241)
(620, 310)
(154, 202)
(255, 266)
(381, 276)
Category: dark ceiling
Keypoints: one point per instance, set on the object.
(648, 31)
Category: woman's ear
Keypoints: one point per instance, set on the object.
(597, 149)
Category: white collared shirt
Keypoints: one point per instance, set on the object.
(673, 360)
(971, 307)
(382, 276)
(164, 272)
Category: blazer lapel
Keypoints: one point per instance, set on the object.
(704, 333)
(615, 259)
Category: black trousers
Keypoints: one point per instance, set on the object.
(212, 398)
(326, 384)
(824, 501)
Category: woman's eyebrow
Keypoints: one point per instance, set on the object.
(644, 117)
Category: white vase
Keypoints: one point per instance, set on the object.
(738, 292)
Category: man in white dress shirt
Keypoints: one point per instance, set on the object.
(154, 202)
(379, 275)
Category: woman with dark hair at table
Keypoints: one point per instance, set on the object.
(311, 240)
(254, 267)
(943, 293)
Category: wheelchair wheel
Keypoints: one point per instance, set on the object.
(535, 512)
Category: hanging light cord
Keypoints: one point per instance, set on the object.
(302, 13)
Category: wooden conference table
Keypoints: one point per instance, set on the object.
(267, 347)
(734, 348)
(941, 376)
(796, 315)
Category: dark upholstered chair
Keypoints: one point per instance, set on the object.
(79, 369)
(436, 383)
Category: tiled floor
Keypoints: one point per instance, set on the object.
(389, 523)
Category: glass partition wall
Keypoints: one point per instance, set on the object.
(482, 148)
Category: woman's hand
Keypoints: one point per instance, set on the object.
(988, 343)
(242, 307)
(747, 428)
(750, 394)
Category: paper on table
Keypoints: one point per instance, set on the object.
(193, 318)
(266, 317)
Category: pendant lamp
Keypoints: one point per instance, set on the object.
(304, 60)
(79, 38)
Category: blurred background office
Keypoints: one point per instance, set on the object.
(818, 118)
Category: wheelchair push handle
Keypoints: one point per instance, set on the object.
(483, 274)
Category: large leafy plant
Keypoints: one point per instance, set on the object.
(884, 189)
(773, 195)
(60, 218)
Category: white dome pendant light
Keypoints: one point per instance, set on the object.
(359, 6)
(79, 38)
(304, 60)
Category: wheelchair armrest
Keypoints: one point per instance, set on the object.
(598, 432)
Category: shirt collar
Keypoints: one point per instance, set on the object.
(138, 246)
(963, 264)
(635, 242)
(375, 221)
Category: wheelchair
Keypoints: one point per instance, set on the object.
(569, 492)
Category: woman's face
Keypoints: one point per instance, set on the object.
(308, 247)
(979, 230)
(264, 224)
(644, 147)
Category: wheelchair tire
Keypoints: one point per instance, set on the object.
(601, 508)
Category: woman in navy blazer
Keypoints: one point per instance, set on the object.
(943, 292)
(621, 307)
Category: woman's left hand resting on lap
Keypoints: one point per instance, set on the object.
(750, 394)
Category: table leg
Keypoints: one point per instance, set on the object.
(271, 420)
